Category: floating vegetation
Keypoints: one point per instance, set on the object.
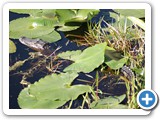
(53, 91)
(87, 61)
(12, 47)
(105, 71)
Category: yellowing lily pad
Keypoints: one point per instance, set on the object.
(12, 47)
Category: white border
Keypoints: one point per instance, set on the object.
(8, 6)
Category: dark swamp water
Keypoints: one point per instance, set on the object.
(22, 53)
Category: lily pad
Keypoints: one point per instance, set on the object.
(65, 15)
(51, 91)
(88, 60)
(68, 15)
(70, 55)
(26, 11)
(46, 13)
(139, 13)
(67, 28)
(30, 27)
(12, 47)
(51, 37)
(119, 106)
(43, 21)
(84, 14)
(109, 102)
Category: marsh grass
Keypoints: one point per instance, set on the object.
(130, 40)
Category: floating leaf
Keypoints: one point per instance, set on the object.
(113, 64)
(67, 28)
(82, 15)
(108, 102)
(119, 106)
(70, 55)
(48, 14)
(65, 15)
(28, 101)
(30, 27)
(26, 11)
(139, 13)
(69, 16)
(12, 47)
(52, 91)
(51, 37)
(113, 58)
(90, 59)
(43, 21)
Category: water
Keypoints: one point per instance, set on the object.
(22, 53)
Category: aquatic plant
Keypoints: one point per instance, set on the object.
(44, 23)
(53, 91)
(111, 102)
(12, 47)
(113, 51)
(87, 60)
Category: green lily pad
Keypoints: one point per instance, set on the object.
(113, 64)
(51, 37)
(30, 27)
(26, 11)
(28, 101)
(51, 91)
(70, 55)
(46, 13)
(139, 13)
(68, 16)
(41, 21)
(12, 47)
(67, 28)
(119, 106)
(88, 60)
(65, 15)
(84, 14)
(108, 102)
